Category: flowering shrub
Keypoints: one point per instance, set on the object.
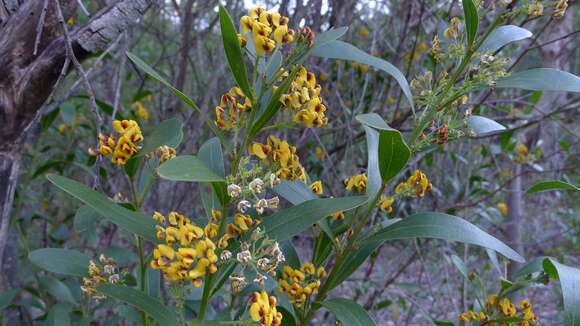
(260, 194)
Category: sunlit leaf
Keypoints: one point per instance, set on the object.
(570, 283)
(445, 227)
(482, 125)
(502, 36)
(542, 79)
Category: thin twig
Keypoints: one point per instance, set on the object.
(40, 27)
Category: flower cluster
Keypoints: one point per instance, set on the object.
(106, 271)
(502, 310)
(301, 283)
(357, 182)
(262, 255)
(560, 7)
(252, 191)
(416, 185)
(194, 255)
(125, 147)
(303, 98)
(141, 111)
(263, 309)
(240, 225)
(386, 204)
(278, 151)
(232, 104)
(163, 153)
(261, 24)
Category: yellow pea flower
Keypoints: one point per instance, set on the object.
(317, 188)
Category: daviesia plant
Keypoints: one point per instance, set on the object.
(257, 193)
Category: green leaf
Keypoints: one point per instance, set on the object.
(85, 219)
(290, 253)
(60, 261)
(570, 284)
(442, 226)
(234, 51)
(460, 265)
(148, 70)
(393, 152)
(548, 185)
(482, 125)
(155, 309)
(351, 264)
(59, 315)
(348, 312)
(213, 195)
(58, 289)
(504, 35)
(471, 21)
(295, 192)
(330, 35)
(344, 51)
(374, 180)
(187, 168)
(288, 222)
(533, 266)
(168, 132)
(7, 297)
(273, 105)
(542, 79)
(135, 222)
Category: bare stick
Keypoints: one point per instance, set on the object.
(40, 27)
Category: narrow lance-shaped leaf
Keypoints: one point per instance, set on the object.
(471, 21)
(135, 222)
(348, 312)
(330, 35)
(168, 132)
(291, 221)
(234, 51)
(483, 126)
(570, 284)
(442, 226)
(155, 309)
(344, 51)
(502, 36)
(187, 168)
(542, 79)
(60, 261)
(548, 185)
(273, 105)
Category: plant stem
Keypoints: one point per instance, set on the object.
(341, 256)
(142, 266)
